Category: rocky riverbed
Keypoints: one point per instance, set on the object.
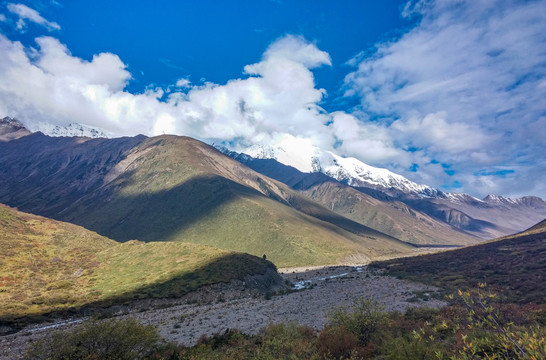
(227, 306)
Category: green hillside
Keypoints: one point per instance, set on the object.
(48, 265)
(513, 266)
(174, 188)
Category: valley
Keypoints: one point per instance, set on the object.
(213, 309)
(180, 235)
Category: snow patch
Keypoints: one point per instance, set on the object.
(73, 129)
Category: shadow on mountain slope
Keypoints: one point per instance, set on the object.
(154, 216)
(121, 280)
(212, 210)
(44, 175)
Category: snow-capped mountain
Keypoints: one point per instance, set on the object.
(291, 154)
(354, 172)
(350, 171)
(311, 173)
(531, 201)
(73, 129)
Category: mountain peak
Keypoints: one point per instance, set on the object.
(7, 121)
(11, 129)
(501, 200)
(354, 172)
(347, 170)
(73, 129)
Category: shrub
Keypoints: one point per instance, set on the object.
(106, 340)
(287, 341)
(362, 319)
(489, 333)
(336, 342)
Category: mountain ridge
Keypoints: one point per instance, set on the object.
(179, 189)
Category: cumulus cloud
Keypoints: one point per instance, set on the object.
(277, 97)
(28, 14)
(183, 83)
(465, 86)
(49, 85)
(364, 140)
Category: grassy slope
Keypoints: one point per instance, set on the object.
(179, 189)
(48, 265)
(513, 265)
(387, 215)
(394, 218)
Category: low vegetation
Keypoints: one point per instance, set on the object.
(49, 266)
(513, 266)
(106, 340)
(473, 327)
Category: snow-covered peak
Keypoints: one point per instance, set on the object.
(506, 201)
(291, 153)
(261, 152)
(354, 172)
(348, 170)
(7, 121)
(73, 129)
(11, 129)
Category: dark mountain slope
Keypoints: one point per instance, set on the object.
(513, 266)
(45, 175)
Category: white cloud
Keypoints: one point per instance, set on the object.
(25, 13)
(465, 86)
(297, 49)
(104, 69)
(49, 85)
(365, 140)
(183, 83)
(2, 17)
(278, 97)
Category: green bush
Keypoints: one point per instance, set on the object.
(362, 319)
(287, 341)
(106, 340)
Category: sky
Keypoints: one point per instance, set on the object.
(449, 93)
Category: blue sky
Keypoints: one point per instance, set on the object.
(449, 93)
(212, 39)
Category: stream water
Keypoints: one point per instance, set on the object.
(305, 284)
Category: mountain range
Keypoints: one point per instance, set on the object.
(174, 188)
(368, 195)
